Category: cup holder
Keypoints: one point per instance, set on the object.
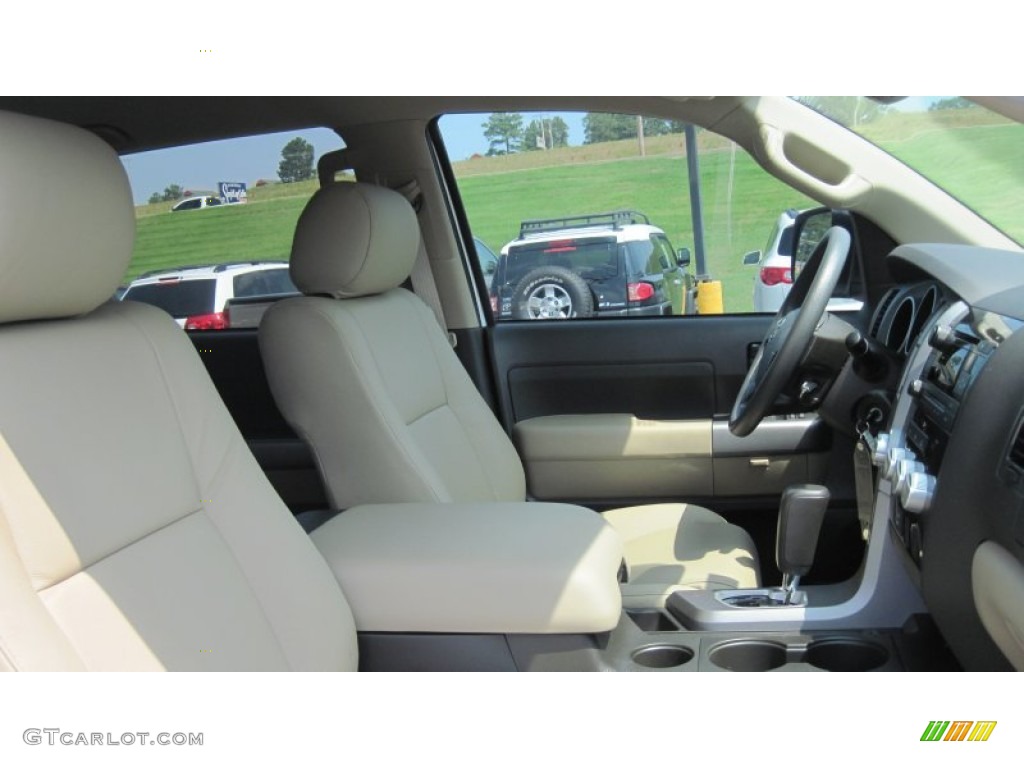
(845, 655)
(748, 655)
(662, 656)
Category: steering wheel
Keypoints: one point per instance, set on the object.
(791, 332)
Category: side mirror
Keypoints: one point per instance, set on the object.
(750, 259)
(809, 227)
(683, 257)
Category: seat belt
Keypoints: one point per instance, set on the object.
(422, 277)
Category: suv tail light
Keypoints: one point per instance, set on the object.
(776, 275)
(215, 321)
(639, 291)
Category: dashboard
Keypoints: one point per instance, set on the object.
(952, 453)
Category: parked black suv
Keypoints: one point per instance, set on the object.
(599, 264)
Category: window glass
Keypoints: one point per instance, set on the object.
(607, 198)
(179, 298)
(248, 194)
(663, 249)
(973, 153)
(488, 258)
(266, 282)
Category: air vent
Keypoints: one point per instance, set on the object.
(1015, 456)
(898, 336)
(882, 309)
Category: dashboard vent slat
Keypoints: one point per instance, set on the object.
(1016, 453)
(888, 299)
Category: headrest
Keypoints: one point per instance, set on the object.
(67, 223)
(354, 239)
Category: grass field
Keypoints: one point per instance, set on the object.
(258, 231)
(741, 202)
(658, 187)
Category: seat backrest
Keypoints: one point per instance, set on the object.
(136, 529)
(362, 371)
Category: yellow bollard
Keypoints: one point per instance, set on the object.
(709, 297)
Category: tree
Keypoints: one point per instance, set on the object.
(599, 126)
(957, 102)
(155, 198)
(545, 133)
(296, 161)
(655, 126)
(504, 131)
(171, 193)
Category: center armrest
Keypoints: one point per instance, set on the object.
(482, 567)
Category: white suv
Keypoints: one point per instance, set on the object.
(197, 296)
(774, 276)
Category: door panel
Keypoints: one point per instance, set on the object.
(635, 410)
(667, 368)
(647, 390)
(685, 367)
(614, 456)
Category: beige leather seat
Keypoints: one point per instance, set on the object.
(371, 383)
(136, 530)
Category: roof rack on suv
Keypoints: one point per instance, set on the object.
(615, 218)
(229, 264)
(215, 267)
(162, 270)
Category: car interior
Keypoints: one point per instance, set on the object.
(382, 477)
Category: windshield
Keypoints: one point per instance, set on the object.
(973, 153)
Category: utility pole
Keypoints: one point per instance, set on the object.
(640, 135)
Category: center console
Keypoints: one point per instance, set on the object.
(949, 357)
(910, 456)
(533, 587)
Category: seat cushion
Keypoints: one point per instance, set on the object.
(683, 546)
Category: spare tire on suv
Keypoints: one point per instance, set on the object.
(548, 293)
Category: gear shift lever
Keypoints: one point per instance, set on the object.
(800, 514)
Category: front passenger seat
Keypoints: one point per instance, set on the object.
(362, 371)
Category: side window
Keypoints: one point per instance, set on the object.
(488, 259)
(666, 256)
(218, 262)
(264, 282)
(591, 215)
